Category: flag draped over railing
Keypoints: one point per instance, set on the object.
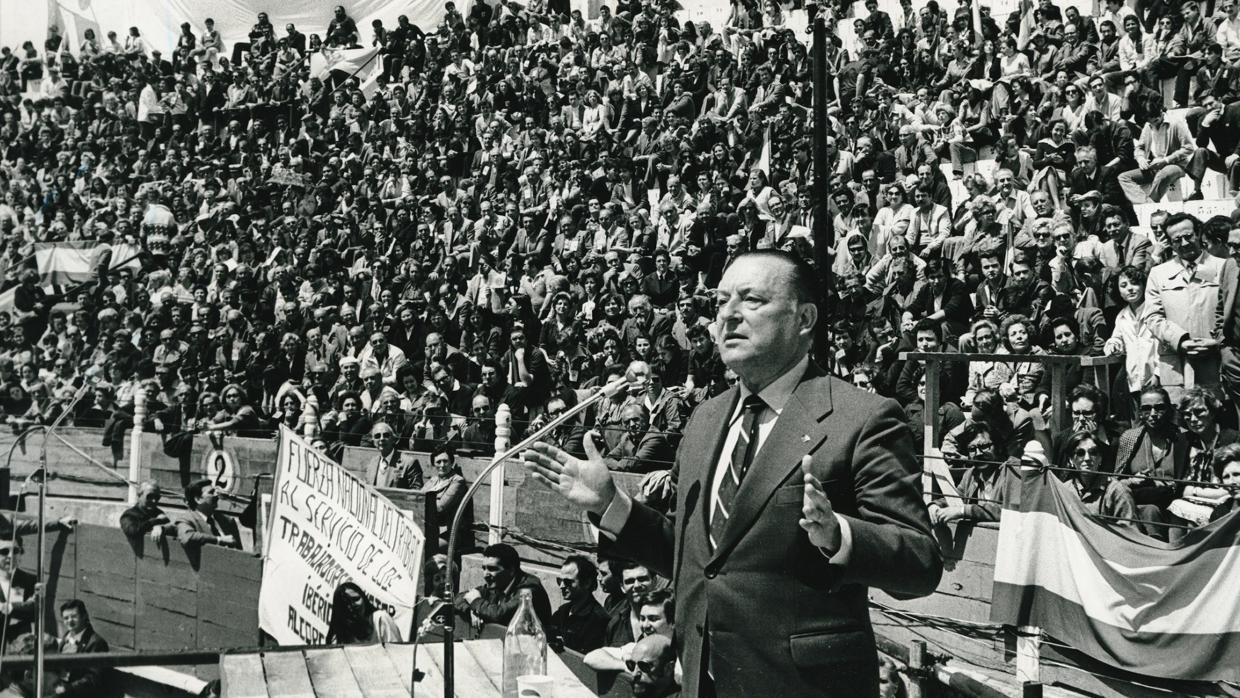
(1118, 596)
(67, 263)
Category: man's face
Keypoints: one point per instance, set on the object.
(209, 498)
(1084, 414)
(150, 498)
(651, 620)
(73, 620)
(636, 581)
(570, 584)
(991, 268)
(1041, 204)
(760, 320)
(384, 439)
(1190, 13)
(1154, 410)
(495, 575)
(927, 341)
(1185, 241)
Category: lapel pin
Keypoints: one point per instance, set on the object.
(805, 438)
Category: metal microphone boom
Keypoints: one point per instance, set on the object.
(450, 582)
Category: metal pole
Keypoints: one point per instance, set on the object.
(40, 587)
(824, 230)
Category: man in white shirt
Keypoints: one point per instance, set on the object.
(1163, 154)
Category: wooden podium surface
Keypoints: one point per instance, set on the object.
(368, 671)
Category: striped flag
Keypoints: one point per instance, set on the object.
(67, 263)
(1119, 597)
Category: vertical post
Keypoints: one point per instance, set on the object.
(823, 232)
(310, 417)
(135, 444)
(916, 668)
(1028, 651)
(1059, 395)
(930, 411)
(503, 434)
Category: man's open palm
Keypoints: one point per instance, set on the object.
(585, 482)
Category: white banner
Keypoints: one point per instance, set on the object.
(327, 527)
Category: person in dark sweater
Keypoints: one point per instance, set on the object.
(579, 624)
(497, 599)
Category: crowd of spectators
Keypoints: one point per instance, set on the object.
(527, 204)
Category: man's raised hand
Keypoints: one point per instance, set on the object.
(585, 482)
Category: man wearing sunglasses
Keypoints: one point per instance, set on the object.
(652, 667)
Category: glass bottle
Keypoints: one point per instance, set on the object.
(525, 645)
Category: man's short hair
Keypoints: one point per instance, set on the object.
(658, 597)
(75, 605)
(805, 284)
(587, 571)
(1179, 217)
(506, 554)
(194, 492)
(927, 325)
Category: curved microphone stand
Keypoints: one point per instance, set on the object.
(450, 581)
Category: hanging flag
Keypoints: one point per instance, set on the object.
(65, 263)
(74, 18)
(1114, 594)
(348, 60)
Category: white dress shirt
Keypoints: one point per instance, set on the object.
(776, 396)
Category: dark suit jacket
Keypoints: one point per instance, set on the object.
(956, 302)
(88, 682)
(652, 452)
(193, 532)
(407, 473)
(781, 620)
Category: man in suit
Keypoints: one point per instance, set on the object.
(792, 485)
(146, 516)
(203, 525)
(391, 468)
(80, 638)
(640, 450)
(943, 299)
(1123, 246)
(17, 603)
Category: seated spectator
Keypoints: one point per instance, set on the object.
(146, 517)
(652, 666)
(204, 524)
(1100, 493)
(390, 467)
(580, 623)
(80, 638)
(355, 620)
(633, 581)
(656, 613)
(983, 482)
(1199, 413)
(1227, 463)
(641, 449)
(1151, 453)
(496, 600)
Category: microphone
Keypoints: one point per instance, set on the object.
(450, 581)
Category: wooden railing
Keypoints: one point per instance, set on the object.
(1058, 366)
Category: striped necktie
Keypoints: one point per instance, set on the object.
(738, 464)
